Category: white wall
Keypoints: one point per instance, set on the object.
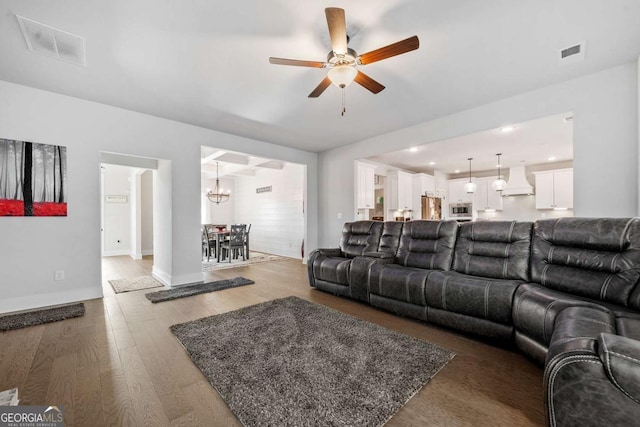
(276, 217)
(117, 218)
(72, 243)
(147, 212)
(605, 107)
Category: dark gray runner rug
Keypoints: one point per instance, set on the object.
(38, 317)
(202, 288)
(293, 362)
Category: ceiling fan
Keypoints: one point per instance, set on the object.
(342, 60)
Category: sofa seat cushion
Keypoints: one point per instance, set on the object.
(332, 269)
(393, 281)
(479, 297)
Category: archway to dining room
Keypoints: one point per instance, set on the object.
(266, 196)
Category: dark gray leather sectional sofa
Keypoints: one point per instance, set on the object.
(566, 291)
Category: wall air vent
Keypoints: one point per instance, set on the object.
(572, 54)
(53, 42)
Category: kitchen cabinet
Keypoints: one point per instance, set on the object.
(365, 192)
(554, 189)
(456, 192)
(400, 186)
(487, 199)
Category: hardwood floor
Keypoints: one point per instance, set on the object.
(120, 366)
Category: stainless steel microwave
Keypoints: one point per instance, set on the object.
(457, 210)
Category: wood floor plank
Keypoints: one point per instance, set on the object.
(88, 398)
(147, 405)
(117, 404)
(62, 385)
(16, 369)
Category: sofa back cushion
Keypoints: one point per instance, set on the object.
(390, 239)
(427, 244)
(359, 237)
(597, 258)
(496, 249)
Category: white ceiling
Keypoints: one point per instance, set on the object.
(540, 141)
(205, 62)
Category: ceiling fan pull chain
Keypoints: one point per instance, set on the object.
(344, 108)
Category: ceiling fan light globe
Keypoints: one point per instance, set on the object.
(342, 75)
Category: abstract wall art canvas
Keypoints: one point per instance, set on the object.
(33, 179)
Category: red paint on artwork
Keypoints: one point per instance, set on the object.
(16, 208)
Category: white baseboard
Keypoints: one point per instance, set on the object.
(147, 252)
(160, 275)
(136, 256)
(188, 279)
(117, 252)
(49, 299)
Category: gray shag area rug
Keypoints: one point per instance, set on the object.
(202, 288)
(134, 284)
(38, 317)
(292, 362)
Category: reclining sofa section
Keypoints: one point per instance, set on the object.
(565, 290)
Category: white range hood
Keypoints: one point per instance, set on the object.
(517, 184)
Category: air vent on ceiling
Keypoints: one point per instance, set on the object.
(572, 54)
(51, 41)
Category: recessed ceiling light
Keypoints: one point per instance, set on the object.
(506, 129)
(413, 149)
(456, 171)
(552, 158)
(432, 163)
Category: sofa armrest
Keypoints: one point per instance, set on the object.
(332, 252)
(621, 358)
(576, 329)
(314, 255)
(378, 255)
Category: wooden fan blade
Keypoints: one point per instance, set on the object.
(337, 29)
(325, 83)
(296, 62)
(368, 83)
(398, 48)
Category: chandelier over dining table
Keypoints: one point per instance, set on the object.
(218, 195)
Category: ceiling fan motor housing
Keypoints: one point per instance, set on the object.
(348, 58)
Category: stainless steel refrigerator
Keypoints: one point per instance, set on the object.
(431, 207)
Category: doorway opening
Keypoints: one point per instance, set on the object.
(129, 217)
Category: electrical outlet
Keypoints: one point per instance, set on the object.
(59, 275)
(339, 215)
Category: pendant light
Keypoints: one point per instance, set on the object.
(218, 195)
(470, 187)
(499, 184)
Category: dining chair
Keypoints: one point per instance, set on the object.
(235, 244)
(208, 241)
(246, 240)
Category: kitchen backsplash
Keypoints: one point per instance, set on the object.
(522, 208)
